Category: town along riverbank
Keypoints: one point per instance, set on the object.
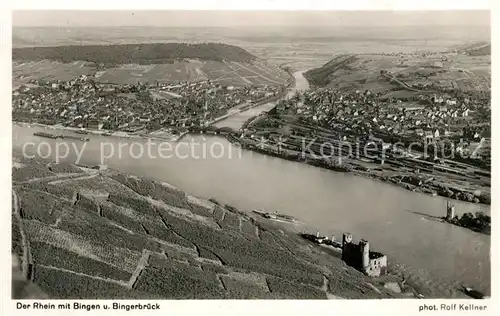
(354, 144)
(271, 130)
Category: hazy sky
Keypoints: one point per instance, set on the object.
(248, 18)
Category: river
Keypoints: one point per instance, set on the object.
(393, 219)
(237, 120)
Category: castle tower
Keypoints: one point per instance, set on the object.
(364, 247)
(346, 243)
(346, 239)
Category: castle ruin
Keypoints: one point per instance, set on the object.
(360, 257)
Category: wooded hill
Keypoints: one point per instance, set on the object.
(143, 54)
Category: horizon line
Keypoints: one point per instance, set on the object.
(250, 26)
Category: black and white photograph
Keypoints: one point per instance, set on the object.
(251, 155)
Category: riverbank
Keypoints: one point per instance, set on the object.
(166, 134)
(156, 234)
(479, 222)
(410, 181)
(407, 180)
(118, 134)
(163, 134)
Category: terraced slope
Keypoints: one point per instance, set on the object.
(146, 63)
(84, 233)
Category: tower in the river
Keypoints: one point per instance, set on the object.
(450, 211)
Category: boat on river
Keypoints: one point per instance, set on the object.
(83, 139)
(276, 216)
(46, 135)
(280, 217)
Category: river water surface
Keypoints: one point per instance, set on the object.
(394, 220)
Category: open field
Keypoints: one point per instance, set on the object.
(299, 48)
(223, 72)
(23, 72)
(460, 71)
(163, 243)
(422, 71)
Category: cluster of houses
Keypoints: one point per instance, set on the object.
(426, 121)
(231, 95)
(84, 103)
